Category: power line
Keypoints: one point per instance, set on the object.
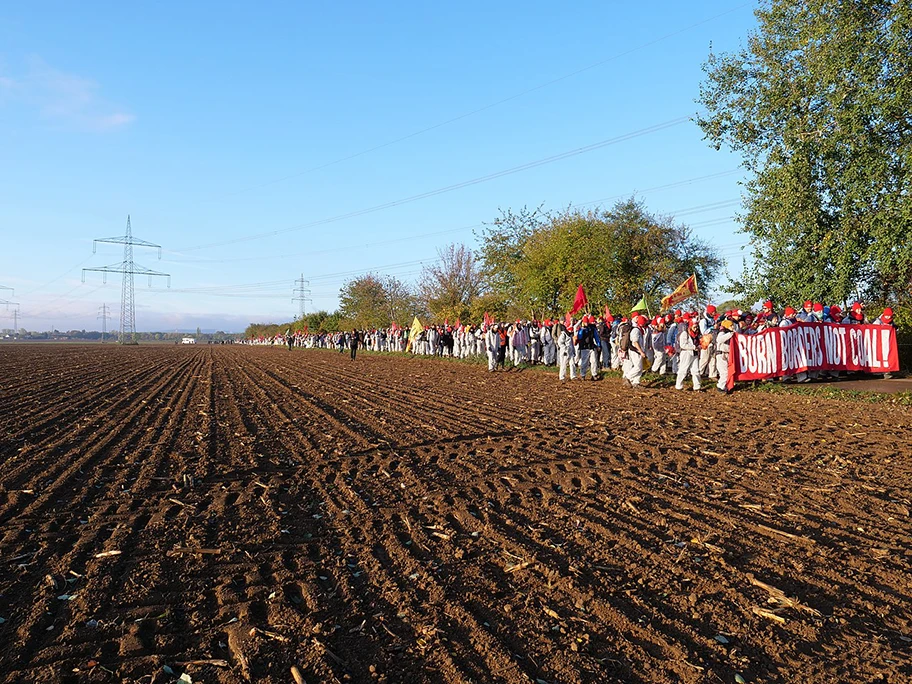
(492, 105)
(42, 313)
(456, 186)
(54, 280)
(350, 247)
(243, 290)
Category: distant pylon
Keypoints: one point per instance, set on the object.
(302, 294)
(6, 302)
(127, 268)
(104, 315)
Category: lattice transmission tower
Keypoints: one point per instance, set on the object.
(104, 313)
(302, 294)
(127, 268)
(6, 302)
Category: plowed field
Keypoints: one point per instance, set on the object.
(231, 512)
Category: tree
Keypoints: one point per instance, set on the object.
(450, 285)
(374, 301)
(819, 105)
(617, 255)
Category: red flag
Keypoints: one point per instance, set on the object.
(607, 312)
(487, 320)
(446, 321)
(568, 321)
(580, 300)
(458, 324)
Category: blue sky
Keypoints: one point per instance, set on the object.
(240, 136)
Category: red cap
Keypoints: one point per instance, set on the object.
(768, 304)
(835, 310)
(641, 321)
(710, 308)
(856, 306)
(818, 306)
(808, 304)
(887, 314)
(789, 312)
(677, 312)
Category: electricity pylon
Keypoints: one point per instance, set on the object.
(301, 294)
(127, 268)
(104, 315)
(6, 302)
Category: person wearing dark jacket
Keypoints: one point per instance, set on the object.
(590, 346)
(353, 341)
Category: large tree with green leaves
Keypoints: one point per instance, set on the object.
(819, 105)
(536, 260)
(375, 301)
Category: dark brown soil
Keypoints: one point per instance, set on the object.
(407, 520)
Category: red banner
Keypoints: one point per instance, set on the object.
(802, 347)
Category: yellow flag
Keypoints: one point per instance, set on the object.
(685, 290)
(415, 330)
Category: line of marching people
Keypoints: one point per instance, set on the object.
(691, 345)
(694, 345)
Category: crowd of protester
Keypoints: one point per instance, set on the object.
(693, 346)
